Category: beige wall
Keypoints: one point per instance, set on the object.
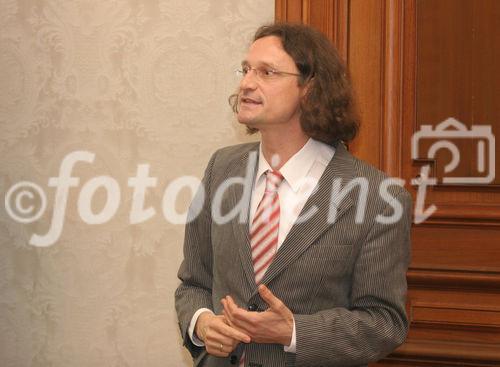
(134, 82)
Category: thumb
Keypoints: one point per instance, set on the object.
(269, 297)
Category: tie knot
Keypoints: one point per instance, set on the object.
(273, 180)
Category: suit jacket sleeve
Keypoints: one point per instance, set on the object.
(195, 272)
(376, 322)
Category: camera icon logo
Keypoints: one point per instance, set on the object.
(444, 134)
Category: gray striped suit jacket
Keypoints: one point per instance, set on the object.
(345, 282)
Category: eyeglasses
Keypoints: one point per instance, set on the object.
(263, 73)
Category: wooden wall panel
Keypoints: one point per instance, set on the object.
(457, 73)
(289, 10)
(454, 277)
(453, 325)
(321, 14)
(366, 33)
(456, 76)
(328, 16)
(487, 83)
(416, 62)
(453, 247)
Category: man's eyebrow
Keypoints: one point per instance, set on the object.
(272, 66)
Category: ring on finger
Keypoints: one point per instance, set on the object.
(221, 347)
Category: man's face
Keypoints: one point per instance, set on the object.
(269, 103)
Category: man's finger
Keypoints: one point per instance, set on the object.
(239, 324)
(231, 303)
(268, 297)
(237, 314)
(218, 349)
(228, 317)
(228, 313)
(236, 334)
(224, 305)
(221, 329)
(230, 306)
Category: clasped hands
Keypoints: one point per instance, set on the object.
(222, 333)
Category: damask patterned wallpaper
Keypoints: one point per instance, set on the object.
(104, 91)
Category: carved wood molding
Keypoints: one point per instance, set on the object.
(463, 280)
(341, 28)
(468, 215)
(454, 316)
(393, 86)
(442, 352)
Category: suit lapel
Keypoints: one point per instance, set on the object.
(302, 235)
(244, 167)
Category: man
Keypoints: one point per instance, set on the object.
(298, 277)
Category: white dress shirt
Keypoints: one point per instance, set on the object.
(301, 174)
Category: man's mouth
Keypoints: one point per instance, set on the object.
(249, 100)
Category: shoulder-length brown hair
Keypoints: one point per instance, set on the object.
(327, 109)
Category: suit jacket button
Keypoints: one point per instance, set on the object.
(252, 307)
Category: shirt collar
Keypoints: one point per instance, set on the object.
(299, 165)
(263, 165)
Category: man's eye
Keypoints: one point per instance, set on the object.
(245, 70)
(268, 72)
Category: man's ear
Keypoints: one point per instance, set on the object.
(306, 87)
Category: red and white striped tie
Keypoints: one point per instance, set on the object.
(265, 226)
(264, 230)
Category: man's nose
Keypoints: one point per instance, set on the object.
(249, 81)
